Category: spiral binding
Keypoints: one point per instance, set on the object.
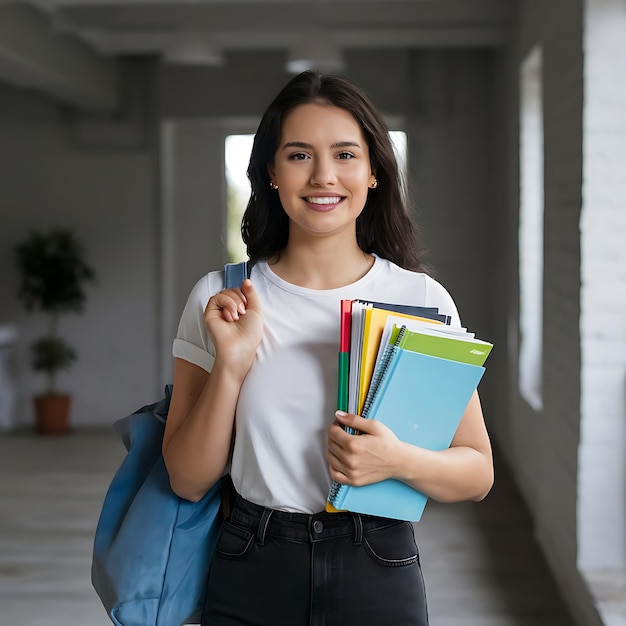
(335, 490)
(381, 371)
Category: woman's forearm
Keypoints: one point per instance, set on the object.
(452, 475)
(201, 426)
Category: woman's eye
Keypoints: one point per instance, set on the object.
(345, 155)
(298, 156)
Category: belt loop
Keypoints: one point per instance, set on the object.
(263, 522)
(358, 529)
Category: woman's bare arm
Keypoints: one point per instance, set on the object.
(199, 428)
(200, 421)
(462, 472)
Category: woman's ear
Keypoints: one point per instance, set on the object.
(271, 171)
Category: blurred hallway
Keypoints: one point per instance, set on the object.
(514, 123)
(481, 564)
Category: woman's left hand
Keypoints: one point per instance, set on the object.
(361, 459)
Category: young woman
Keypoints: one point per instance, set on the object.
(325, 221)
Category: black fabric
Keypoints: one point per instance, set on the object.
(273, 568)
(228, 495)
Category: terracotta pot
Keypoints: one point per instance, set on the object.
(52, 412)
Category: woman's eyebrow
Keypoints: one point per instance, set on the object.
(308, 146)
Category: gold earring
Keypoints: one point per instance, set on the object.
(273, 185)
(374, 184)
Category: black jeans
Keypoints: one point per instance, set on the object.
(273, 568)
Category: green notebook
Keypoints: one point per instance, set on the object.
(472, 351)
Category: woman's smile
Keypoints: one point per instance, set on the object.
(323, 203)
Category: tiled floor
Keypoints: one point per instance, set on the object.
(481, 565)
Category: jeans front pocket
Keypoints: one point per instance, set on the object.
(392, 546)
(234, 543)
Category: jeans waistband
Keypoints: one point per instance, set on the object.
(303, 526)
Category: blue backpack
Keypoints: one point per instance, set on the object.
(152, 549)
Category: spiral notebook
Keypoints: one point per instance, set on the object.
(421, 398)
(362, 324)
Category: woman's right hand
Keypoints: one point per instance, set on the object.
(235, 323)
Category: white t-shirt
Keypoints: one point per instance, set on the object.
(288, 399)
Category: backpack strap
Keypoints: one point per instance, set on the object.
(235, 274)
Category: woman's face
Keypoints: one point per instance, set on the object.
(322, 169)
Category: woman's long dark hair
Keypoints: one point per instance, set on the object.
(384, 227)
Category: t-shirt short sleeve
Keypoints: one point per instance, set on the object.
(192, 342)
(437, 295)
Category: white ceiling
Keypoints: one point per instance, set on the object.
(65, 47)
(148, 26)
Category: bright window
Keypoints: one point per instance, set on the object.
(531, 230)
(237, 151)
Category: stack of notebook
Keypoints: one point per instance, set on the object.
(412, 371)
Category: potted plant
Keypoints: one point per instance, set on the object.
(52, 276)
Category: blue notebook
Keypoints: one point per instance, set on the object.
(421, 398)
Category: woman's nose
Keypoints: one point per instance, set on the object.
(323, 173)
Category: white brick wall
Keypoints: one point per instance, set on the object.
(602, 503)
(577, 498)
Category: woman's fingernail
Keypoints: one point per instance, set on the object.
(242, 308)
(340, 414)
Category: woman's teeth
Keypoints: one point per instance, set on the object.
(324, 200)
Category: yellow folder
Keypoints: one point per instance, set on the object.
(373, 326)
